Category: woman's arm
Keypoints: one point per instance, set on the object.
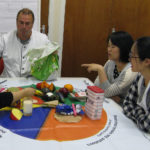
(99, 68)
(8, 98)
(116, 88)
(27, 92)
(120, 86)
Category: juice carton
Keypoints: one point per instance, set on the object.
(94, 104)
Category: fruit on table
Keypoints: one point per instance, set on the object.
(16, 114)
(39, 93)
(38, 85)
(44, 84)
(51, 87)
(69, 87)
(64, 91)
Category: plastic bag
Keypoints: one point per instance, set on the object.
(43, 61)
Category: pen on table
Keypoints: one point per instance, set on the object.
(51, 80)
(3, 81)
(74, 110)
(86, 83)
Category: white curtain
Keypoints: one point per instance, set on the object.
(56, 24)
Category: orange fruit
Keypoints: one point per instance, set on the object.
(69, 87)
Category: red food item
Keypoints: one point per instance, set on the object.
(95, 89)
(64, 91)
(16, 114)
(38, 85)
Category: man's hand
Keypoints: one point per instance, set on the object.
(56, 52)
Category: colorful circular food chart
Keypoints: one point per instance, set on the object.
(42, 125)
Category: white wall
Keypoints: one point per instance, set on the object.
(56, 24)
(9, 10)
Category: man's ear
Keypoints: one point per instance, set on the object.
(147, 62)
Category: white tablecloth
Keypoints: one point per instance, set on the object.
(120, 133)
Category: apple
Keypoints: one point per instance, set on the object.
(64, 91)
(38, 85)
(16, 114)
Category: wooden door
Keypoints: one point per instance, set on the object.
(87, 25)
(132, 16)
(44, 14)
